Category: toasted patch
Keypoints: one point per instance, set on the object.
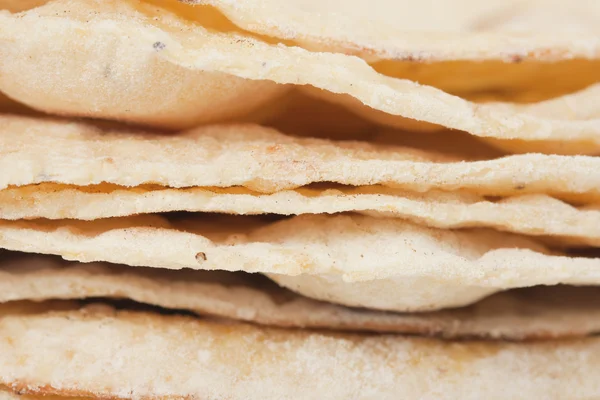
(265, 160)
(149, 64)
(359, 261)
(20, 5)
(7, 394)
(148, 355)
(527, 214)
(535, 313)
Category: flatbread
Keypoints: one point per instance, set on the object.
(156, 61)
(106, 353)
(434, 30)
(435, 43)
(569, 107)
(141, 89)
(514, 74)
(534, 313)
(265, 160)
(526, 214)
(353, 260)
(519, 75)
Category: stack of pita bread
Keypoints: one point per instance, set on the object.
(299, 199)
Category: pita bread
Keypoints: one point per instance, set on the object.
(559, 311)
(142, 89)
(265, 160)
(517, 77)
(436, 43)
(437, 30)
(517, 73)
(106, 353)
(528, 214)
(563, 108)
(158, 60)
(358, 261)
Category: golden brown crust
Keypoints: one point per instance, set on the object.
(22, 391)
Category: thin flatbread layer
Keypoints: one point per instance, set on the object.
(143, 89)
(534, 313)
(526, 214)
(518, 76)
(502, 38)
(563, 108)
(107, 353)
(142, 45)
(361, 261)
(515, 76)
(390, 29)
(265, 160)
